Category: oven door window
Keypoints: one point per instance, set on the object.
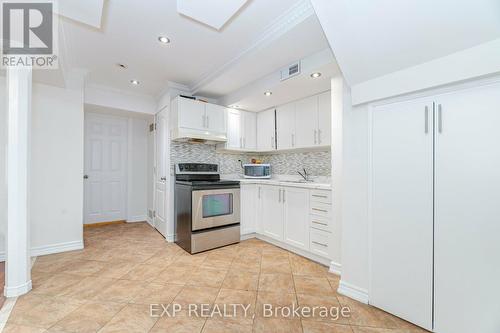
(217, 205)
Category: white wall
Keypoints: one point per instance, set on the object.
(56, 167)
(138, 181)
(56, 189)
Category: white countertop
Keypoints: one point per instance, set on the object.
(318, 184)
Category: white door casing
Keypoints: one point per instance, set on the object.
(162, 174)
(105, 165)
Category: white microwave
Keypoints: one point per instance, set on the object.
(257, 171)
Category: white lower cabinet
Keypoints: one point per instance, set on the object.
(296, 216)
(249, 205)
(284, 214)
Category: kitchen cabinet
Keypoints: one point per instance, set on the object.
(266, 130)
(249, 130)
(306, 114)
(296, 216)
(434, 232)
(271, 211)
(249, 208)
(234, 130)
(324, 119)
(285, 126)
(242, 130)
(193, 119)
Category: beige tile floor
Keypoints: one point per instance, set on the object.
(109, 287)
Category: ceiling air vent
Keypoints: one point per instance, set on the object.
(290, 71)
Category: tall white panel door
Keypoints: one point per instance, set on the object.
(105, 167)
(402, 211)
(191, 113)
(306, 114)
(266, 130)
(285, 125)
(271, 210)
(296, 216)
(215, 118)
(162, 173)
(325, 118)
(467, 217)
(234, 130)
(250, 130)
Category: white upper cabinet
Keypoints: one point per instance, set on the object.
(285, 124)
(306, 120)
(266, 131)
(215, 118)
(250, 130)
(242, 130)
(191, 113)
(198, 120)
(234, 131)
(325, 119)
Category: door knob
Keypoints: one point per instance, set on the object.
(164, 179)
(85, 176)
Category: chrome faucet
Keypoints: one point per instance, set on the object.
(304, 175)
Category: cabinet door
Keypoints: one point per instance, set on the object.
(402, 211)
(248, 208)
(272, 212)
(249, 130)
(325, 119)
(285, 124)
(296, 216)
(191, 113)
(266, 130)
(467, 211)
(306, 114)
(216, 118)
(234, 130)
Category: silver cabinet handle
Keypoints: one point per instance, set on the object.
(320, 210)
(85, 176)
(293, 140)
(208, 121)
(259, 192)
(315, 136)
(244, 142)
(440, 118)
(241, 142)
(163, 179)
(317, 222)
(319, 136)
(319, 196)
(272, 142)
(426, 119)
(279, 200)
(283, 196)
(320, 244)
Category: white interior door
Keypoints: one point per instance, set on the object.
(467, 226)
(402, 211)
(162, 173)
(105, 167)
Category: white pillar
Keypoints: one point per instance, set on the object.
(18, 264)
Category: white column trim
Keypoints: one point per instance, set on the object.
(18, 265)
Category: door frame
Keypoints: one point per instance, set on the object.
(126, 164)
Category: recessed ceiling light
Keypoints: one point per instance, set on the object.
(122, 66)
(268, 93)
(315, 75)
(134, 82)
(164, 40)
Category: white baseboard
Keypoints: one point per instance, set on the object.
(170, 238)
(248, 236)
(56, 248)
(150, 222)
(335, 268)
(18, 290)
(138, 218)
(50, 249)
(351, 291)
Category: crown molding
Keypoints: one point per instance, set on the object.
(280, 26)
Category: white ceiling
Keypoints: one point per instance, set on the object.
(129, 35)
(374, 38)
(203, 11)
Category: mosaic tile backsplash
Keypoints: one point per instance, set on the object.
(317, 163)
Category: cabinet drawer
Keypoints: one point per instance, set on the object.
(321, 196)
(320, 222)
(321, 209)
(320, 242)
